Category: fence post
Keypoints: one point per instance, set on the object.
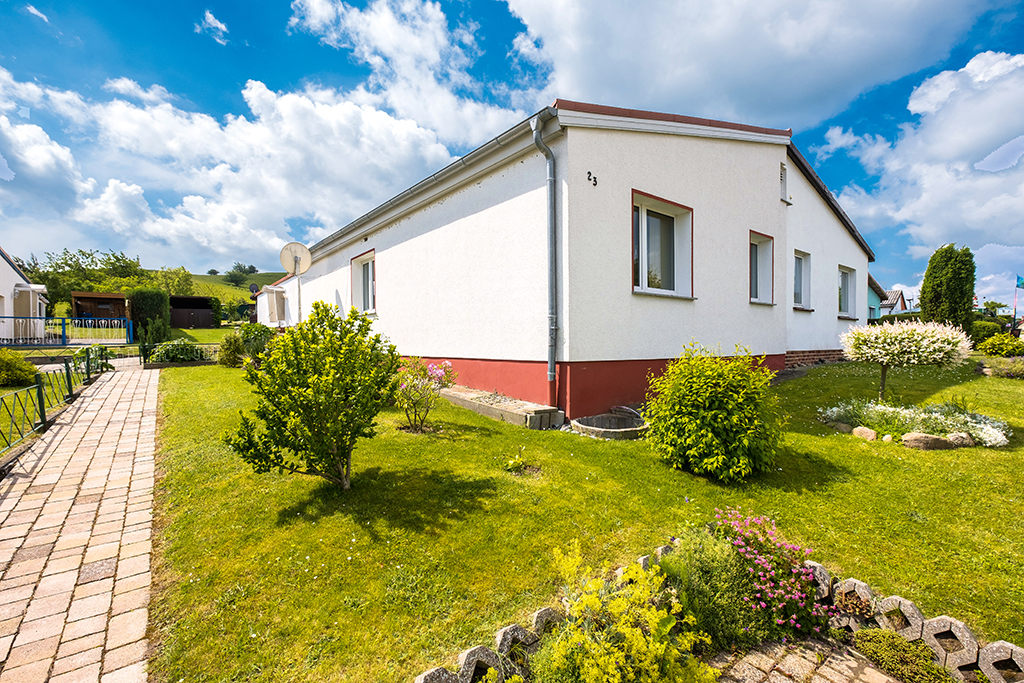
(88, 369)
(67, 376)
(41, 400)
(129, 332)
(64, 331)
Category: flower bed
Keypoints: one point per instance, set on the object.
(938, 418)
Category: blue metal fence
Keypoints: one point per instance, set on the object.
(21, 331)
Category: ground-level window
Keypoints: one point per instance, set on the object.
(364, 282)
(847, 285)
(801, 279)
(662, 246)
(762, 258)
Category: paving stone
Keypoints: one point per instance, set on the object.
(32, 652)
(96, 571)
(77, 661)
(39, 629)
(121, 657)
(795, 666)
(71, 647)
(747, 673)
(88, 674)
(126, 628)
(47, 606)
(90, 606)
(760, 661)
(126, 602)
(37, 672)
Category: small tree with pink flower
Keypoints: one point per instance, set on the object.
(420, 388)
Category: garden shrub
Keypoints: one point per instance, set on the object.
(177, 351)
(899, 344)
(217, 309)
(15, 371)
(984, 329)
(1002, 345)
(255, 337)
(629, 630)
(936, 418)
(784, 589)
(419, 388)
(318, 390)
(149, 306)
(1011, 368)
(99, 358)
(713, 415)
(715, 579)
(910, 662)
(231, 351)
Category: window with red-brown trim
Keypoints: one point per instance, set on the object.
(662, 246)
(364, 282)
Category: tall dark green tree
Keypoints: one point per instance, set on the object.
(947, 294)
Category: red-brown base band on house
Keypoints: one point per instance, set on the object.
(584, 387)
(797, 358)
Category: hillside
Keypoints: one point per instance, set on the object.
(214, 285)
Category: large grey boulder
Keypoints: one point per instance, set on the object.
(926, 442)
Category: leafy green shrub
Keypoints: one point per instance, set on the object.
(255, 337)
(717, 585)
(713, 415)
(15, 371)
(319, 389)
(99, 358)
(899, 344)
(910, 662)
(217, 309)
(419, 388)
(1002, 345)
(984, 329)
(633, 630)
(149, 306)
(1011, 368)
(231, 351)
(177, 351)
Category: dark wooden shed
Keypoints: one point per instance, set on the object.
(192, 311)
(97, 305)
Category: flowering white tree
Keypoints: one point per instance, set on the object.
(899, 344)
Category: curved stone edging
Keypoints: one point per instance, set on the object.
(953, 644)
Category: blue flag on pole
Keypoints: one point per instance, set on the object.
(1020, 282)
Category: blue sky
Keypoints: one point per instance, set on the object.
(199, 134)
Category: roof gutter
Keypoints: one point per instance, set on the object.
(537, 125)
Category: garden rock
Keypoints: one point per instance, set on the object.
(865, 433)
(843, 427)
(961, 439)
(887, 438)
(926, 442)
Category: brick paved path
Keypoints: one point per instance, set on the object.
(809, 662)
(75, 540)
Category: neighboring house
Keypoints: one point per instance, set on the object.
(562, 266)
(22, 304)
(894, 302)
(98, 305)
(876, 295)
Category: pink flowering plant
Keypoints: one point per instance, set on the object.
(420, 388)
(784, 590)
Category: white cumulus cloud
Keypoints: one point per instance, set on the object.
(214, 28)
(129, 88)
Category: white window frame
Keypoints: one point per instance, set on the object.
(850, 291)
(761, 270)
(784, 185)
(364, 299)
(804, 280)
(682, 254)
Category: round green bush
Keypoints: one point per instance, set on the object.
(1003, 345)
(15, 371)
(983, 330)
(177, 351)
(714, 416)
(232, 350)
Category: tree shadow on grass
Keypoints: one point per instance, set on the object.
(801, 472)
(418, 500)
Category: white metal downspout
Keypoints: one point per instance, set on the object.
(537, 125)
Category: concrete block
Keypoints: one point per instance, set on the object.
(437, 675)
(909, 622)
(544, 617)
(997, 660)
(476, 661)
(822, 579)
(952, 642)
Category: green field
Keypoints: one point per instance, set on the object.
(215, 285)
(279, 577)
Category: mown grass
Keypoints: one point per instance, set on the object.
(199, 335)
(216, 285)
(276, 577)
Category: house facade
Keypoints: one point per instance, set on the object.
(579, 251)
(876, 295)
(22, 304)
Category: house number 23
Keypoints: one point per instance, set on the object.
(592, 178)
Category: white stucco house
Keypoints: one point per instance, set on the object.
(22, 304)
(568, 257)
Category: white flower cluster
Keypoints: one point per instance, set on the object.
(899, 344)
(940, 419)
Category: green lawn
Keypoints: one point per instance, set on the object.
(200, 335)
(279, 577)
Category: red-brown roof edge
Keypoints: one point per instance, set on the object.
(604, 110)
(272, 284)
(826, 194)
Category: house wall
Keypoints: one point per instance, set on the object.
(813, 228)
(462, 278)
(8, 276)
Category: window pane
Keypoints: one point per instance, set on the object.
(373, 285)
(366, 286)
(753, 270)
(844, 291)
(798, 281)
(661, 251)
(636, 246)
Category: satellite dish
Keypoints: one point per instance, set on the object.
(295, 258)
(254, 288)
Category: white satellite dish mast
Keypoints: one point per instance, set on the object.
(296, 260)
